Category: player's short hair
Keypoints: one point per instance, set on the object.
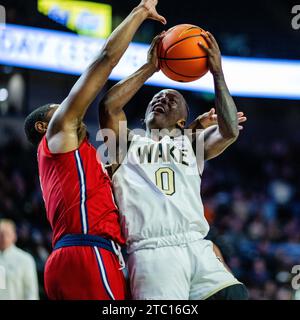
(39, 114)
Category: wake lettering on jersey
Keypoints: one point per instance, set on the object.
(165, 153)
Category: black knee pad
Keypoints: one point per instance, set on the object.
(234, 292)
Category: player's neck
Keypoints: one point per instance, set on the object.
(6, 248)
(158, 134)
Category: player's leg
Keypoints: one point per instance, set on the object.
(84, 273)
(211, 275)
(159, 274)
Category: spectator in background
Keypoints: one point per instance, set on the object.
(20, 271)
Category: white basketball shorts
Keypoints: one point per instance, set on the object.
(181, 272)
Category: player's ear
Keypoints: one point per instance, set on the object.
(41, 126)
(181, 123)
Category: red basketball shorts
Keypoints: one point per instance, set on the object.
(84, 273)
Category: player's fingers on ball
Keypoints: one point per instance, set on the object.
(207, 50)
(214, 42)
(205, 36)
(243, 119)
(152, 45)
(158, 38)
(210, 35)
(240, 113)
(209, 42)
(241, 127)
(212, 38)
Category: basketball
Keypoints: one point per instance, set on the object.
(180, 57)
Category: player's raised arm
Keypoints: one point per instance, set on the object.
(62, 133)
(218, 138)
(111, 107)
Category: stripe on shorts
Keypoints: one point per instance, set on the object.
(103, 274)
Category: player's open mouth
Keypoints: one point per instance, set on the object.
(158, 109)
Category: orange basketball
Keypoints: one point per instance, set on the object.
(180, 57)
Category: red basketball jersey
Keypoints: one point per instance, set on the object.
(77, 193)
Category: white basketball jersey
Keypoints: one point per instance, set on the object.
(157, 190)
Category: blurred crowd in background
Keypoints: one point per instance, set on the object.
(251, 198)
(252, 201)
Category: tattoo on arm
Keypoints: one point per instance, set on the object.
(226, 109)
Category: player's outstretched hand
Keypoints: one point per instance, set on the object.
(152, 53)
(210, 118)
(241, 119)
(213, 53)
(150, 6)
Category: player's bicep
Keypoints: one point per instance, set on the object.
(214, 142)
(61, 135)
